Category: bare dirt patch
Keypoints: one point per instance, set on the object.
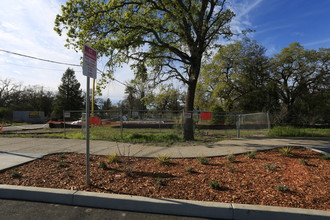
(301, 180)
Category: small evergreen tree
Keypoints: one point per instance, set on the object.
(69, 96)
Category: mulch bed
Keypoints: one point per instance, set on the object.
(300, 180)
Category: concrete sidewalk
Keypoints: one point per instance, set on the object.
(14, 151)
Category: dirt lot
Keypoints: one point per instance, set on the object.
(300, 180)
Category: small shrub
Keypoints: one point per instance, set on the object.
(271, 167)
(214, 184)
(282, 188)
(231, 169)
(163, 159)
(203, 160)
(160, 182)
(231, 158)
(252, 155)
(304, 162)
(62, 164)
(102, 165)
(286, 151)
(325, 157)
(113, 158)
(62, 157)
(15, 174)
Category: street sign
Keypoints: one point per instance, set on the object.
(89, 62)
(89, 70)
(66, 115)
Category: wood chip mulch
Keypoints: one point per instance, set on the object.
(300, 180)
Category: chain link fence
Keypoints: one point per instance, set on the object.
(116, 125)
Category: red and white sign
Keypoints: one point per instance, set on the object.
(89, 62)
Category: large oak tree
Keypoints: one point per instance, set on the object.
(169, 37)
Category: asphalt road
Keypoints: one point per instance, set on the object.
(25, 210)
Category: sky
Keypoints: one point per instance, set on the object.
(26, 27)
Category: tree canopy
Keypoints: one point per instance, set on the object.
(169, 37)
(69, 96)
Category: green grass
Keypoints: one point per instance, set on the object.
(289, 131)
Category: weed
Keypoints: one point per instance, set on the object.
(214, 184)
(325, 157)
(231, 169)
(62, 164)
(282, 188)
(113, 158)
(203, 160)
(68, 175)
(271, 167)
(190, 170)
(163, 159)
(286, 151)
(102, 165)
(160, 182)
(231, 158)
(304, 162)
(62, 157)
(252, 155)
(15, 174)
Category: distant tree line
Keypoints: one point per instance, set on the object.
(293, 85)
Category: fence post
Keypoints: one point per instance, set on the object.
(238, 126)
(121, 124)
(268, 120)
(64, 124)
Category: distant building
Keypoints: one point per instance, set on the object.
(29, 116)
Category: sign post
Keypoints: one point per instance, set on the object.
(89, 70)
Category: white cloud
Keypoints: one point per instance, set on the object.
(317, 42)
(26, 27)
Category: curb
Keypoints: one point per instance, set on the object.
(159, 205)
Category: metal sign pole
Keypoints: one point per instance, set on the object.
(87, 133)
(89, 70)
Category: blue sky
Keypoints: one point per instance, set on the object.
(27, 27)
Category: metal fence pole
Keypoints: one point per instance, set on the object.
(121, 124)
(238, 126)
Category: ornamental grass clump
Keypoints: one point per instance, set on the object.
(252, 155)
(113, 158)
(231, 158)
(163, 159)
(203, 160)
(286, 151)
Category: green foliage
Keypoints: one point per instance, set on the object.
(15, 174)
(251, 155)
(231, 158)
(271, 167)
(282, 188)
(102, 165)
(289, 131)
(203, 160)
(304, 162)
(160, 182)
(286, 151)
(231, 169)
(169, 38)
(164, 159)
(69, 96)
(63, 164)
(113, 158)
(144, 137)
(214, 185)
(190, 170)
(325, 157)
